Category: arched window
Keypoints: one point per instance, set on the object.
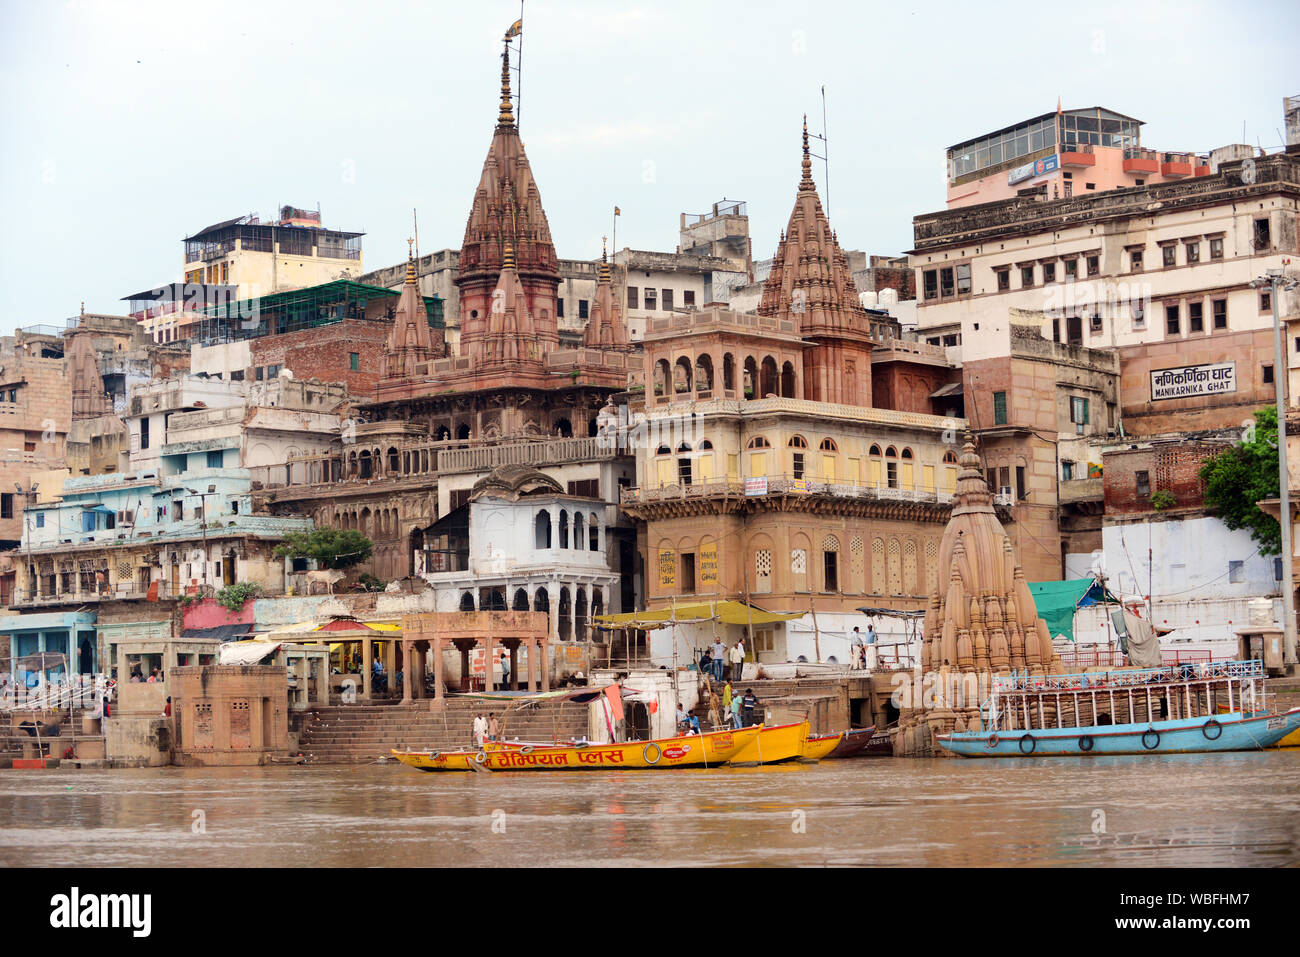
(768, 378)
(798, 444)
(521, 600)
(706, 445)
(579, 538)
(580, 615)
(541, 600)
(542, 529)
(466, 602)
(444, 433)
(462, 432)
(787, 380)
(564, 614)
(564, 529)
(393, 461)
(564, 428)
(758, 442)
(891, 468)
(950, 456)
(684, 472)
(729, 372)
(704, 374)
(828, 445)
(831, 563)
(661, 377)
(907, 453)
(875, 450)
(682, 375)
(751, 378)
(593, 530)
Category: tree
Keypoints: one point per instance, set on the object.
(1240, 477)
(331, 547)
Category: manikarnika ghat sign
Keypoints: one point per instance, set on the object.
(1187, 381)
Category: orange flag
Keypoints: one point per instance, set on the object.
(615, 695)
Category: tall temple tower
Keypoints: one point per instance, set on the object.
(810, 283)
(411, 340)
(507, 212)
(606, 328)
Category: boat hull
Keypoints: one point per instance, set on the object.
(1236, 731)
(784, 742)
(815, 748)
(692, 750)
(853, 743)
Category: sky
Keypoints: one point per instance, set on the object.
(125, 127)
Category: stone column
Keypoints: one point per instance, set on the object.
(487, 664)
(544, 663)
(555, 527)
(408, 676)
(532, 664)
(514, 665)
(367, 667)
(390, 664)
(437, 670)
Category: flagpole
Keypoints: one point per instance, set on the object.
(519, 86)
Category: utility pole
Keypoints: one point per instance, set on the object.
(203, 523)
(1277, 281)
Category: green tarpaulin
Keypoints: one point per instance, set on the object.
(1056, 602)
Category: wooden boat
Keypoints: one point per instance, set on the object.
(818, 746)
(1178, 709)
(782, 742)
(881, 745)
(853, 744)
(691, 750)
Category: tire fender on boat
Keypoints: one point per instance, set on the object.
(480, 757)
(1032, 744)
(526, 749)
(1151, 733)
(646, 753)
(1085, 743)
(1217, 728)
(992, 741)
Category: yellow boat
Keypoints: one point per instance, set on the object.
(818, 746)
(782, 742)
(691, 750)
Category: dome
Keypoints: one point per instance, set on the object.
(514, 482)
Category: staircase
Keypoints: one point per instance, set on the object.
(361, 734)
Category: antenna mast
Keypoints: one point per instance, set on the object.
(825, 153)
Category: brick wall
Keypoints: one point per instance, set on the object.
(1174, 468)
(324, 353)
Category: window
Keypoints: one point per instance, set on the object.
(40, 519)
(1216, 247)
(1049, 272)
(688, 297)
(1021, 491)
(214, 459)
(144, 432)
(1266, 300)
(1143, 484)
(1169, 254)
(631, 297)
(273, 371)
(684, 470)
(688, 572)
(1026, 276)
(6, 504)
(651, 300)
(930, 282)
(1004, 279)
(354, 361)
(559, 308)
(1067, 471)
(1094, 265)
(1193, 252)
(1139, 315)
(830, 562)
(797, 464)
(1079, 412)
(1195, 317)
(1236, 572)
(1268, 372)
(1263, 237)
(999, 408)
(259, 373)
(1135, 260)
(945, 282)
(1071, 270)
(963, 279)
(1171, 320)
(667, 300)
(582, 308)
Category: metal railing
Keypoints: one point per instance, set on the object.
(48, 694)
(778, 484)
(1185, 671)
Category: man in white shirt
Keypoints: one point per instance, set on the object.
(480, 729)
(737, 658)
(719, 652)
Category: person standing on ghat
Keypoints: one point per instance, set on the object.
(737, 658)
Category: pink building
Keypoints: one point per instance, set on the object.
(1062, 154)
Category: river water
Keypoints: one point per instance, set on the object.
(1182, 810)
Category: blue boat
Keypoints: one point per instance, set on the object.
(1216, 706)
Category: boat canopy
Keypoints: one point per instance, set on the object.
(727, 612)
(1057, 601)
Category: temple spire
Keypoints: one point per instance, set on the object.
(807, 181)
(410, 262)
(506, 118)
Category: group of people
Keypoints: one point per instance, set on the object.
(737, 709)
(859, 645)
(717, 656)
(485, 728)
(155, 675)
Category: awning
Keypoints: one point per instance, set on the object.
(220, 632)
(1056, 602)
(727, 612)
(952, 388)
(247, 652)
(890, 613)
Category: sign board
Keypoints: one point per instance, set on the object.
(756, 486)
(799, 485)
(709, 563)
(1188, 381)
(1037, 168)
(667, 568)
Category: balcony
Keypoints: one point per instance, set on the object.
(1074, 491)
(777, 485)
(1079, 156)
(1176, 165)
(1140, 162)
(119, 591)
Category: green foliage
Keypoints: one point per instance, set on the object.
(371, 583)
(1240, 477)
(189, 598)
(331, 547)
(1162, 500)
(233, 597)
